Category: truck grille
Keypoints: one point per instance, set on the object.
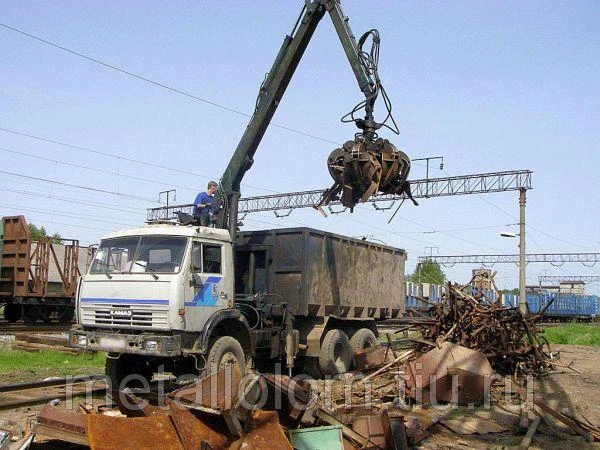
(133, 316)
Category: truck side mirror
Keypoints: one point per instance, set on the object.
(196, 280)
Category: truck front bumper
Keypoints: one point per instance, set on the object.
(138, 344)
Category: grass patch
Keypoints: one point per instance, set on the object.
(53, 360)
(574, 334)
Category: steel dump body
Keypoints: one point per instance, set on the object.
(319, 273)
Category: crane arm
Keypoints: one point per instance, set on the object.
(272, 90)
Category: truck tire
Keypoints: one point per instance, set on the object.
(336, 355)
(363, 338)
(117, 368)
(113, 370)
(224, 351)
(12, 312)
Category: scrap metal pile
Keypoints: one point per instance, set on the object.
(509, 339)
(400, 391)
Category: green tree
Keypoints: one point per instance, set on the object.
(514, 291)
(36, 233)
(428, 272)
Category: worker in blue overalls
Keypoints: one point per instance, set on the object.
(203, 211)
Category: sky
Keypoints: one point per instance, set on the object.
(490, 86)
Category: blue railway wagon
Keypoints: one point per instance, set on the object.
(566, 306)
(415, 291)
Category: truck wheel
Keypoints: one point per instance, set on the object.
(12, 312)
(336, 354)
(363, 338)
(113, 370)
(117, 368)
(223, 352)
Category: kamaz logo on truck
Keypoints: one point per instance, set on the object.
(121, 312)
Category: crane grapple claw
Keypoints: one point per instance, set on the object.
(361, 169)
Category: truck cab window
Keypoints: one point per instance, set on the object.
(114, 255)
(160, 254)
(211, 258)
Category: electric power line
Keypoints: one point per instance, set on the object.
(161, 85)
(77, 201)
(87, 188)
(124, 158)
(94, 169)
(62, 214)
(526, 225)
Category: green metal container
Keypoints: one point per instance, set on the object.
(318, 438)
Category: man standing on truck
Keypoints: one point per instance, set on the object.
(204, 204)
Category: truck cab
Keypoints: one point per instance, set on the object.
(159, 291)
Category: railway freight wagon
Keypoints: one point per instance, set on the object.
(561, 306)
(38, 279)
(421, 296)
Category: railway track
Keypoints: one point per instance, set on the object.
(7, 327)
(39, 392)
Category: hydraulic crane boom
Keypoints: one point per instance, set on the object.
(270, 94)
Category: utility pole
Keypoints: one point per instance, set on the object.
(522, 264)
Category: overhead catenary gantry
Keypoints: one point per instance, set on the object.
(568, 278)
(481, 183)
(552, 258)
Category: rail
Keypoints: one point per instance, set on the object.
(37, 392)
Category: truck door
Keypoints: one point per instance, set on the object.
(207, 291)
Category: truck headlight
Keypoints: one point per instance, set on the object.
(81, 340)
(151, 346)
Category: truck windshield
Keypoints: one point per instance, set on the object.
(134, 254)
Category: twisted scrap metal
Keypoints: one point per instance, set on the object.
(510, 340)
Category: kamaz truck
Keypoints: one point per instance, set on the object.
(193, 299)
(186, 298)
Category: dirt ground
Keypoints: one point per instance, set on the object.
(580, 393)
(564, 388)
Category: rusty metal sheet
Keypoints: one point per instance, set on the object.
(370, 426)
(133, 406)
(263, 431)
(62, 418)
(370, 357)
(193, 431)
(292, 389)
(62, 424)
(218, 391)
(294, 396)
(394, 431)
(434, 371)
(108, 432)
(356, 438)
